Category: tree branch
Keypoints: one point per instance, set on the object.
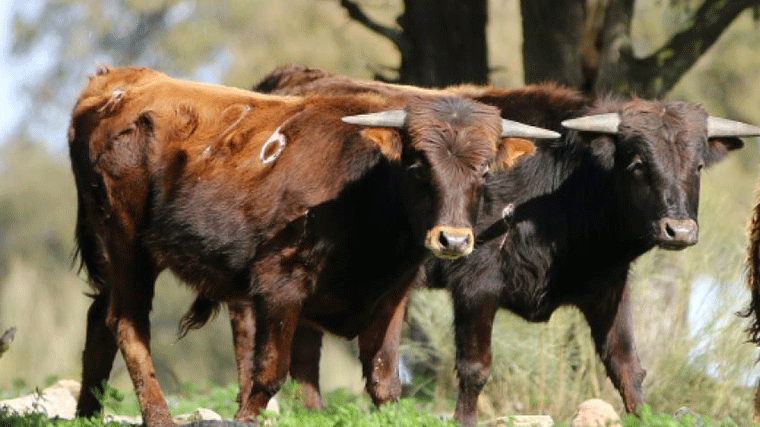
(654, 76)
(355, 13)
(659, 72)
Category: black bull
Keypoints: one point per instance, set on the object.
(565, 225)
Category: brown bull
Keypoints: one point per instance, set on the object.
(563, 226)
(319, 209)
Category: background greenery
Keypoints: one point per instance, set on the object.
(538, 368)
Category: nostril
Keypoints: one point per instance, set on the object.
(443, 240)
(669, 230)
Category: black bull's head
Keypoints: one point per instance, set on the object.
(657, 152)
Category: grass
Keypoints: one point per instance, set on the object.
(342, 410)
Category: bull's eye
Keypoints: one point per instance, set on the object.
(418, 169)
(700, 166)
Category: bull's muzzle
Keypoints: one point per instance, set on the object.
(449, 242)
(677, 234)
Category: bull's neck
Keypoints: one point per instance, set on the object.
(566, 200)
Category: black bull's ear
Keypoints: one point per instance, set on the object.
(718, 147)
(723, 136)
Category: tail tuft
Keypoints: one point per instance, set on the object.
(199, 314)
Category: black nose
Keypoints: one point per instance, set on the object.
(454, 242)
(678, 233)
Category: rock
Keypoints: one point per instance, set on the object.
(528, 420)
(56, 401)
(200, 414)
(122, 419)
(595, 413)
(273, 406)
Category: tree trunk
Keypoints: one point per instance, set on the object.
(445, 42)
(442, 42)
(552, 31)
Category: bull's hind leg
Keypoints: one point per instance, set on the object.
(610, 323)
(304, 364)
(378, 351)
(97, 358)
(132, 282)
(276, 321)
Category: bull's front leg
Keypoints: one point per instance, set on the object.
(378, 350)
(611, 329)
(473, 326)
(276, 321)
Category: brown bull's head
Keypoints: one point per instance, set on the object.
(444, 147)
(657, 152)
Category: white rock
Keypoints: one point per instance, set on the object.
(122, 419)
(273, 406)
(529, 420)
(595, 413)
(56, 401)
(200, 414)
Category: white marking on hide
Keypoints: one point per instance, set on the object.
(246, 110)
(116, 96)
(508, 211)
(276, 138)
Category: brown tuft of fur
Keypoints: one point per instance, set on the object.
(200, 312)
(753, 276)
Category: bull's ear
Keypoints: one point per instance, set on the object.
(718, 147)
(511, 150)
(603, 149)
(387, 140)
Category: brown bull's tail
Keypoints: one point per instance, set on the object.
(287, 77)
(90, 193)
(202, 310)
(753, 277)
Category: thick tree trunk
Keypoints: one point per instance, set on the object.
(552, 31)
(446, 42)
(442, 42)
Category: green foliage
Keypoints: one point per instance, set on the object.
(346, 410)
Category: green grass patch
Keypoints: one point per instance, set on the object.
(342, 409)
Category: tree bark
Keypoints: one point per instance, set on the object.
(655, 75)
(556, 36)
(442, 42)
(552, 31)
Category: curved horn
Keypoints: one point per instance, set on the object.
(603, 123)
(383, 119)
(510, 128)
(717, 127)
